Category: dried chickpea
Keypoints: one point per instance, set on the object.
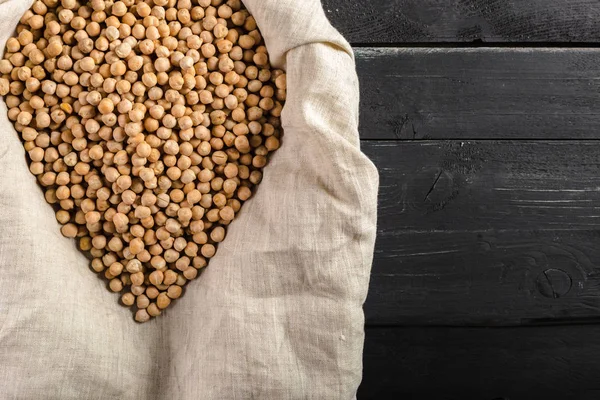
(153, 310)
(142, 316)
(128, 299)
(163, 301)
(116, 285)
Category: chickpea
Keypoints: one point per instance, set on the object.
(69, 230)
(153, 310)
(142, 316)
(156, 278)
(128, 299)
(163, 301)
(116, 285)
(106, 106)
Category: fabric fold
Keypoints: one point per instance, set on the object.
(287, 24)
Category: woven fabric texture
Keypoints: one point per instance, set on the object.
(277, 314)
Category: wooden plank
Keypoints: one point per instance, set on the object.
(492, 364)
(486, 233)
(496, 93)
(432, 21)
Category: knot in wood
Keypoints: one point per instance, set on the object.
(554, 283)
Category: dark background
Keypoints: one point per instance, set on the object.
(483, 118)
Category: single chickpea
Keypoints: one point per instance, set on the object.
(116, 268)
(156, 278)
(137, 289)
(69, 230)
(162, 64)
(153, 310)
(128, 299)
(123, 50)
(163, 301)
(118, 68)
(208, 250)
(106, 106)
(142, 301)
(142, 316)
(142, 212)
(54, 49)
(116, 285)
(134, 266)
(174, 292)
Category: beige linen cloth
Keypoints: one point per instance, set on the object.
(278, 312)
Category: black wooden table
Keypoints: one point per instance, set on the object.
(483, 117)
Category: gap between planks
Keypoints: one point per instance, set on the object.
(477, 45)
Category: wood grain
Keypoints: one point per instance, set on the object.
(490, 364)
(486, 233)
(483, 93)
(431, 21)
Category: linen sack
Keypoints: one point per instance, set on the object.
(277, 314)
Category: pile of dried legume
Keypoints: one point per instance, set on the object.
(147, 123)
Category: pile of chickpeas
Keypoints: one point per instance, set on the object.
(148, 124)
